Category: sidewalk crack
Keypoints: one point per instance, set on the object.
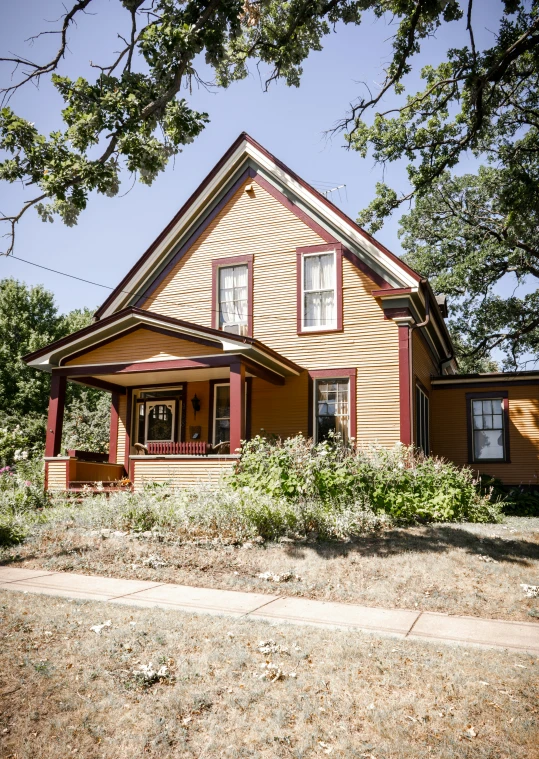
(419, 614)
(134, 592)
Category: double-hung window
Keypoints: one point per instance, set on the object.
(488, 427)
(332, 409)
(319, 291)
(233, 299)
(422, 437)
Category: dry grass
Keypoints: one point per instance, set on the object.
(67, 691)
(432, 568)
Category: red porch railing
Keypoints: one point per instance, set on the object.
(190, 448)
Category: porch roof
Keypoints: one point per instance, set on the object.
(258, 358)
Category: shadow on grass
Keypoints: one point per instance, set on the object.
(434, 539)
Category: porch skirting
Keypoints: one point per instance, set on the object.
(178, 471)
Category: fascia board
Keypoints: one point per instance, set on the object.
(189, 219)
(323, 212)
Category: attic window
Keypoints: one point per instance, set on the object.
(233, 295)
(319, 288)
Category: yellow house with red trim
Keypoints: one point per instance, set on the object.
(262, 308)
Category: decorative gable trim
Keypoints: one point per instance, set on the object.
(308, 205)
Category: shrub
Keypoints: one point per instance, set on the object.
(515, 500)
(21, 438)
(21, 500)
(400, 482)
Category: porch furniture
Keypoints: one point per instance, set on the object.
(142, 450)
(221, 448)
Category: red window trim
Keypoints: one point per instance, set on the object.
(352, 389)
(300, 252)
(216, 264)
(502, 395)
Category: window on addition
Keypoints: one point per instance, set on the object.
(422, 437)
(488, 430)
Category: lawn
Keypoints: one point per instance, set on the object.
(69, 691)
(472, 569)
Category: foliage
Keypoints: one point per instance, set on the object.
(87, 422)
(514, 500)
(28, 321)
(21, 438)
(21, 499)
(469, 233)
(400, 482)
(131, 116)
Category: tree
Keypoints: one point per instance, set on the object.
(132, 116)
(29, 320)
(468, 234)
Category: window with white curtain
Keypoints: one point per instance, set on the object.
(233, 299)
(319, 291)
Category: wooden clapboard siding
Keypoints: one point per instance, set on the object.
(143, 345)
(179, 472)
(450, 437)
(202, 391)
(122, 422)
(280, 410)
(89, 471)
(57, 474)
(257, 223)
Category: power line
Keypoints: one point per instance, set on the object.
(127, 292)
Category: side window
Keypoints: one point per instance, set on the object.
(488, 429)
(332, 408)
(422, 436)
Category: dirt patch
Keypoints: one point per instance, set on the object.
(239, 688)
(459, 569)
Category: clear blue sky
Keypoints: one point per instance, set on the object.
(113, 233)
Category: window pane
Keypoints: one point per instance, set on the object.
(487, 421)
(140, 424)
(332, 409)
(319, 290)
(477, 407)
(222, 405)
(233, 300)
(222, 430)
(488, 444)
(478, 422)
(497, 406)
(487, 407)
(497, 421)
(160, 422)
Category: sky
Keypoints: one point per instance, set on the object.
(291, 123)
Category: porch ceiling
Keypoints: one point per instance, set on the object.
(170, 378)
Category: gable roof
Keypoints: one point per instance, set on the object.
(315, 209)
(87, 339)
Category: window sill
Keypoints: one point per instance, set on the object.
(321, 331)
(490, 461)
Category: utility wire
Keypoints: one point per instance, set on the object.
(127, 292)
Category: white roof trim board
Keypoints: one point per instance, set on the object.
(320, 212)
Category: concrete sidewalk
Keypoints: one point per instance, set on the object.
(402, 623)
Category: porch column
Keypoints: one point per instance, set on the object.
(237, 405)
(55, 419)
(113, 434)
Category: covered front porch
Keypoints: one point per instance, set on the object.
(178, 419)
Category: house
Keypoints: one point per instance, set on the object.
(262, 308)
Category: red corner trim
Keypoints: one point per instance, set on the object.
(405, 385)
(128, 414)
(300, 252)
(337, 374)
(113, 435)
(216, 264)
(55, 419)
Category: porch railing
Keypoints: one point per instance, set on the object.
(189, 448)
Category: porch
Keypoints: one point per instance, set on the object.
(179, 419)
